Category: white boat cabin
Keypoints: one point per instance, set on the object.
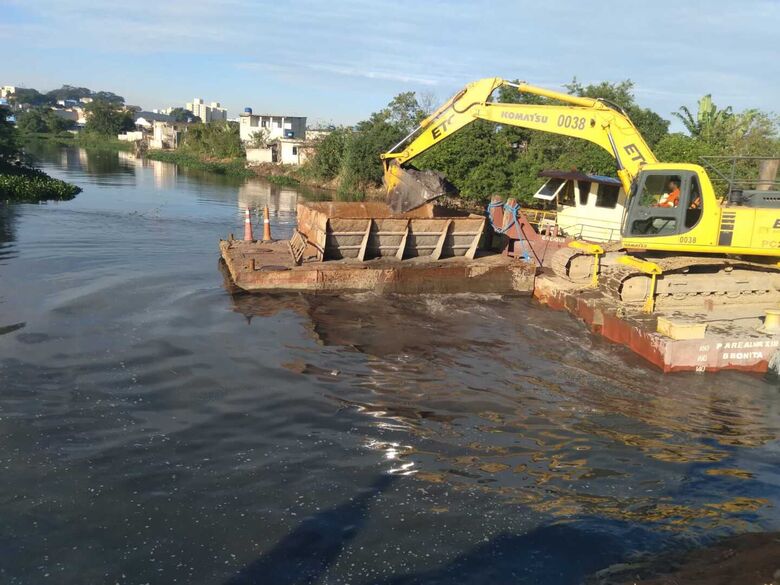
(588, 207)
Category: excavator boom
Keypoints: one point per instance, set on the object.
(587, 118)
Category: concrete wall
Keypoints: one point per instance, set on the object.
(259, 155)
(131, 136)
(290, 153)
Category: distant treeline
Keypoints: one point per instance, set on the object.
(33, 97)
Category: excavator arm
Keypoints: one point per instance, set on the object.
(591, 119)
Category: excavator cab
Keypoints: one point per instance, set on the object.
(663, 203)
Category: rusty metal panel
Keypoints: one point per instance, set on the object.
(387, 236)
(345, 238)
(365, 231)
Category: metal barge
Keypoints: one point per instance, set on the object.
(340, 247)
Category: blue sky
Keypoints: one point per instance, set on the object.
(337, 61)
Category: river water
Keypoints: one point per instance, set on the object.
(155, 429)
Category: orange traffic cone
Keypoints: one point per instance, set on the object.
(266, 225)
(247, 226)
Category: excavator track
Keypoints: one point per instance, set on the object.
(689, 281)
(572, 265)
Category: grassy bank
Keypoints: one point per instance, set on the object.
(235, 167)
(21, 184)
(100, 142)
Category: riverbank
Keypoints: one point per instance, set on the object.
(23, 184)
(235, 167)
(93, 141)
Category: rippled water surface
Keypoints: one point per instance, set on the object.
(156, 429)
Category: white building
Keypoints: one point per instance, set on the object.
(272, 126)
(207, 113)
(7, 91)
(284, 137)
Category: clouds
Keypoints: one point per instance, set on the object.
(355, 55)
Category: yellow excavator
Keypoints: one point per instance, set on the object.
(680, 242)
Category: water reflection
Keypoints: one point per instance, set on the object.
(492, 394)
(158, 429)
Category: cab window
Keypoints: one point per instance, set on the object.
(693, 209)
(549, 189)
(656, 209)
(566, 195)
(584, 189)
(607, 196)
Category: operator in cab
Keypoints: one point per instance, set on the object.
(672, 197)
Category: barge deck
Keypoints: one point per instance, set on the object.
(361, 248)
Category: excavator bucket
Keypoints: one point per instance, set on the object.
(410, 188)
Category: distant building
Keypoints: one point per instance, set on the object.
(284, 137)
(7, 91)
(75, 114)
(207, 113)
(166, 135)
(272, 126)
(145, 119)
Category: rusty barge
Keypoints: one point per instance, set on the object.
(351, 247)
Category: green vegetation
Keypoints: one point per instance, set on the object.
(182, 115)
(231, 167)
(23, 184)
(214, 147)
(42, 121)
(107, 119)
(20, 182)
(215, 140)
(102, 142)
(484, 159)
(283, 180)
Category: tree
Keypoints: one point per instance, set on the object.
(753, 133)
(404, 112)
(182, 115)
(108, 96)
(329, 154)
(68, 92)
(9, 144)
(32, 121)
(259, 138)
(709, 124)
(215, 140)
(41, 120)
(652, 126)
(28, 96)
(107, 119)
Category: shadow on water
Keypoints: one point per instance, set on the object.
(304, 555)
(564, 553)
(557, 554)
